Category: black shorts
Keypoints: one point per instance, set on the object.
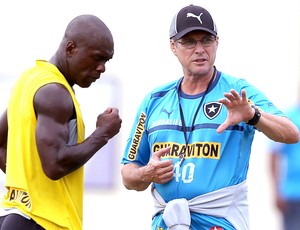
(17, 222)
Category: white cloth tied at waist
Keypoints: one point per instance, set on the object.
(230, 203)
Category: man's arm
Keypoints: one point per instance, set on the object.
(140, 177)
(279, 129)
(3, 140)
(276, 128)
(54, 108)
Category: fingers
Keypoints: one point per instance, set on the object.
(161, 171)
(162, 152)
(234, 97)
(244, 96)
(236, 105)
(111, 110)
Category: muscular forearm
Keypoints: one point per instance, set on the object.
(3, 140)
(279, 129)
(3, 159)
(134, 177)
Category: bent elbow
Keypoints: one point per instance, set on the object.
(52, 174)
(296, 138)
(293, 137)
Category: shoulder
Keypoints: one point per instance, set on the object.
(232, 80)
(53, 98)
(162, 90)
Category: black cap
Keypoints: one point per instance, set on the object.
(192, 18)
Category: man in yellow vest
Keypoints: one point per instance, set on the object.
(42, 142)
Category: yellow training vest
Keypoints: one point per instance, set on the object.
(52, 204)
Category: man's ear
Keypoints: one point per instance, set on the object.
(172, 46)
(70, 48)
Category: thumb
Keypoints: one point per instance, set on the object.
(108, 110)
(221, 128)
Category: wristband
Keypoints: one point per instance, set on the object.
(253, 121)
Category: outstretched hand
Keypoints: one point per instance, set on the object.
(238, 109)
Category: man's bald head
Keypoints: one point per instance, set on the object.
(84, 50)
(87, 28)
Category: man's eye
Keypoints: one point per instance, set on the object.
(207, 40)
(188, 42)
(101, 59)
